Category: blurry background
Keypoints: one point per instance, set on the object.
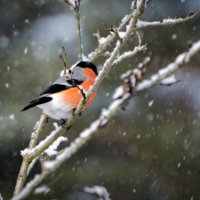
(146, 152)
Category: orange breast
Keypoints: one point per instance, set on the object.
(73, 96)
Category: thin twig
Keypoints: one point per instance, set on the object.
(64, 60)
(167, 22)
(139, 38)
(75, 85)
(77, 16)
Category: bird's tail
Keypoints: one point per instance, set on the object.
(37, 102)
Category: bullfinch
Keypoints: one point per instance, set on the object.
(60, 100)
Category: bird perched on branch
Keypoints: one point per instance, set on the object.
(60, 100)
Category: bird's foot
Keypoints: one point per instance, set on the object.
(73, 111)
(69, 127)
(47, 120)
(63, 123)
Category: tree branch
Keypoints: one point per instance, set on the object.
(21, 179)
(143, 24)
(77, 16)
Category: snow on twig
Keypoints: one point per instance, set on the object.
(129, 54)
(31, 165)
(98, 191)
(52, 150)
(169, 69)
(27, 152)
(42, 190)
(169, 80)
(143, 24)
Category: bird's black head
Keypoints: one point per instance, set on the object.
(85, 64)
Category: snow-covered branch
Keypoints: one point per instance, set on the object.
(129, 54)
(144, 24)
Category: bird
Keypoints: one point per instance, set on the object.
(60, 100)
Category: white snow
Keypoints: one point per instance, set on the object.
(96, 35)
(51, 151)
(180, 58)
(150, 103)
(195, 47)
(36, 125)
(24, 152)
(88, 131)
(124, 18)
(103, 116)
(133, 81)
(73, 146)
(144, 23)
(144, 85)
(104, 122)
(163, 71)
(84, 58)
(7, 85)
(169, 80)
(12, 117)
(137, 72)
(146, 60)
(117, 102)
(26, 50)
(28, 185)
(98, 191)
(90, 55)
(27, 21)
(121, 34)
(128, 54)
(42, 189)
(154, 77)
(126, 74)
(102, 40)
(118, 92)
(170, 20)
(140, 65)
(31, 165)
(57, 129)
(71, 2)
(129, 26)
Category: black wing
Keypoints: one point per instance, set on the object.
(55, 88)
(37, 102)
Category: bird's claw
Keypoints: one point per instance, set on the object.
(63, 123)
